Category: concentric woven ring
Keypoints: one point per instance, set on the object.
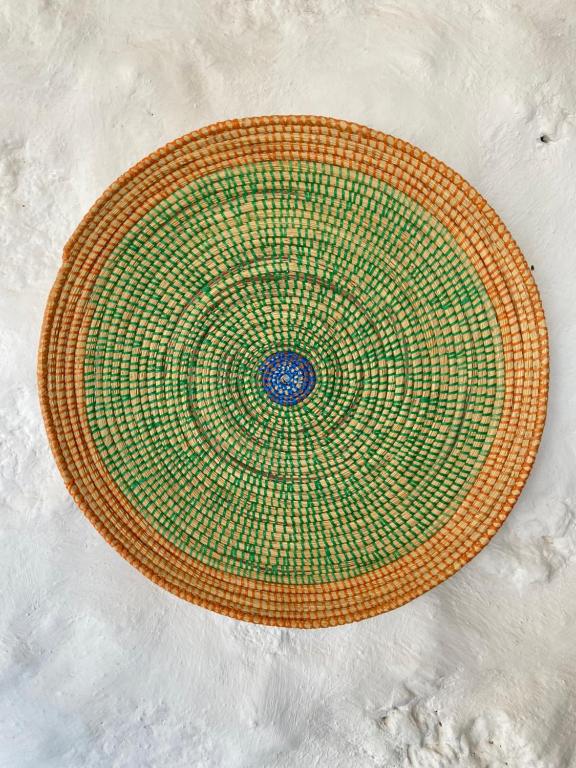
(294, 370)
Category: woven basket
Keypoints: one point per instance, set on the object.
(294, 370)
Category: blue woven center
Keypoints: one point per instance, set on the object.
(287, 377)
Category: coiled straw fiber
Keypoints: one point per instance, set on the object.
(294, 370)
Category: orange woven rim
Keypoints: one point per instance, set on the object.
(302, 194)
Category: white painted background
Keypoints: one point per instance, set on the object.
(99, 667)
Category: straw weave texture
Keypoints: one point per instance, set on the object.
(294, 370)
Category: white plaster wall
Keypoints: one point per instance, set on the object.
(99, 667)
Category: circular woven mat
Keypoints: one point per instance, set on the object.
(294, 370)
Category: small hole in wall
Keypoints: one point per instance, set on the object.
(544, 138)
(532, 267)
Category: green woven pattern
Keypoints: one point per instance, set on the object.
(343, 270)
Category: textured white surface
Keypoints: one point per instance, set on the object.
(99, 667)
